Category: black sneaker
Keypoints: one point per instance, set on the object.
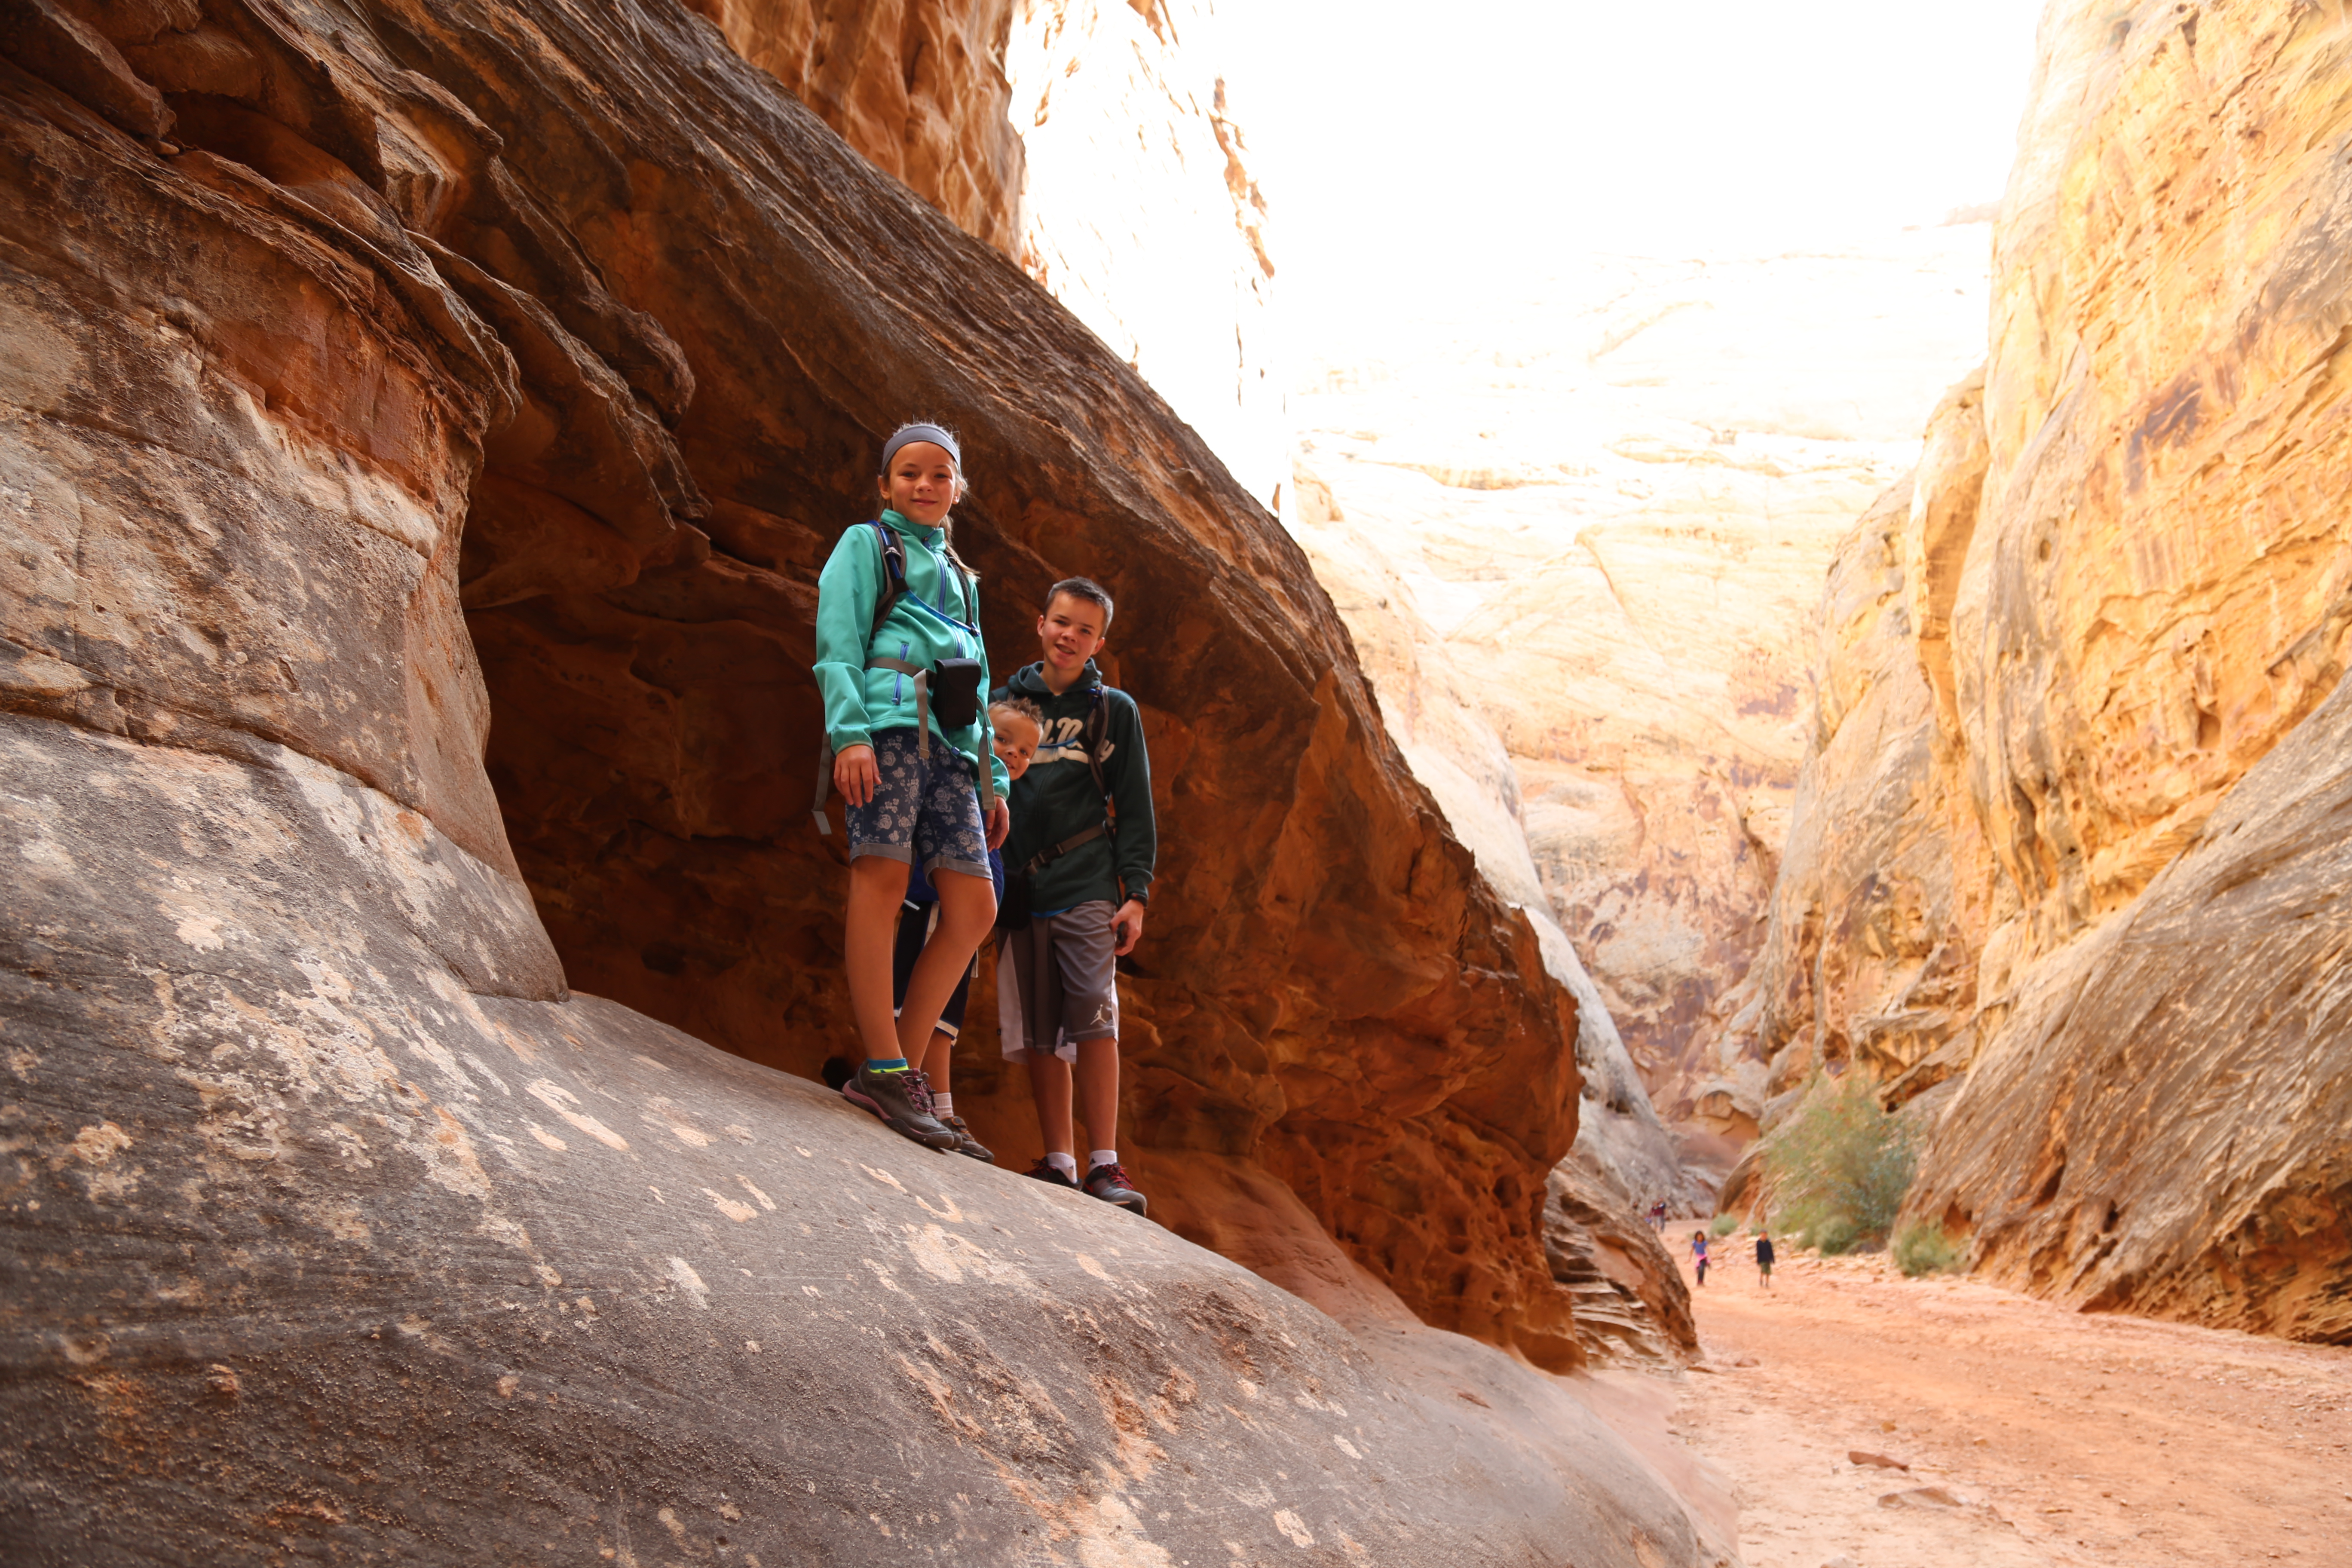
(1052, 1175)
(1110, 1184)
(965, 1142)
(902, 1098)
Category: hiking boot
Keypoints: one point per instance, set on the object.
(1046, 1171)
(965, 1142)
(902, 1098)
(1110, 1184)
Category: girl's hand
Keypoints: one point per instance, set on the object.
(854, 774)
(1000, 824)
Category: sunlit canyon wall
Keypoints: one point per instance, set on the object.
(1578, 537)
(1090, 141)
(2068, 860)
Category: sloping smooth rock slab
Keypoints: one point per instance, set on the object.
(314, 1253)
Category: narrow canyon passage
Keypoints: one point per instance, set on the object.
(2063, 1438)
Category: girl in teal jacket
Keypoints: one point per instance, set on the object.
(897, 650)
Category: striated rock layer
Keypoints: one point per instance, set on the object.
(385, 377)
(2123, 575)
(1631, 1306)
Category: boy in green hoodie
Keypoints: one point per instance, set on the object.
(1083, 841)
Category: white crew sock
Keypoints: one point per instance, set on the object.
(943, 1103)
(1102, 1157)
(1065, 1163)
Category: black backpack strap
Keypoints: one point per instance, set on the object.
(1097, 729)
(894, 576)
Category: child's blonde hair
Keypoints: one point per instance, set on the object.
(1018, 708)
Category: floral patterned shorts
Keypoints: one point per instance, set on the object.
(925, 813)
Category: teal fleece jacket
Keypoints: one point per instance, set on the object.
(932, 620)
(1057, 797)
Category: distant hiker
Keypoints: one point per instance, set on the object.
(1764, 1259)
(1699, 1254)
(1658, 1216)
(1079, 877)
(901, 666)
(1016, 727)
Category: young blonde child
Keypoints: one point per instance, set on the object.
(900, 665)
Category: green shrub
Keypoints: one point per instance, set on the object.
(1723, 1225)
(1922, 1249)
(1839, 1167)
(1837, 1236)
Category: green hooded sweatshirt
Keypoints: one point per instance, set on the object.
(932, 620)
(1057, 797)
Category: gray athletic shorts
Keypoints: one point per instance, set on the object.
(1074, 996)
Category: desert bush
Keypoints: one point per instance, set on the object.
(1723, 1225)
(1839, 1167)
(1924, 1250)
(1837, 1236)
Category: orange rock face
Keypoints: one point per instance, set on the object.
(917, 86)
(1631, 1306)
(610, 370)
(1090, 141)
(2080, 865)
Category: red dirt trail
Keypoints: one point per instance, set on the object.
(2063, 1438)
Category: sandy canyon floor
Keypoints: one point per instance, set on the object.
(2057, 1437)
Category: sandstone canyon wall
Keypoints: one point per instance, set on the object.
(1141, 215)
(1580, 533)
(2099, 884)
(424, 421)
(918, 86)
(1089, 140)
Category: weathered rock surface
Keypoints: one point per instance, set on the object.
(918, 86)
(2167, 440)
(2097, 823)
(1870, 959)
(1089, 140)
(380, 376)
(1434, 714)
(1141, 215)
(1600, 517)
(332, 1233)
(1631, 1306)
(2189, 1149)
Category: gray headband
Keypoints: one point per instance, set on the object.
(907, 434)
